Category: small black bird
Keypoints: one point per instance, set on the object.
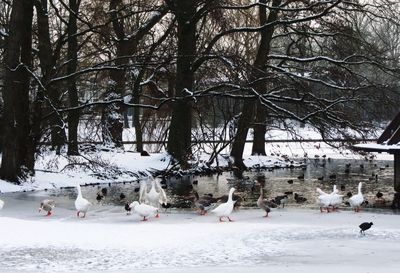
(290, 181)
(104, 191)
(128, 209)
(364, 226)
(99, 197)
(166, 205)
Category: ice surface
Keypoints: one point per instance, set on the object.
(108, 240)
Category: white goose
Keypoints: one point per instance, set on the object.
(143, 210)
(324, 200)
(81, 204)
(331, 200)
(47, 205)
(155, 196)
(356, 200)
(337, 199)
(225, 209)
(1, 204)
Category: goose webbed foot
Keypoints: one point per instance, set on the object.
(144, 219)
(230, 220)
(48, 213)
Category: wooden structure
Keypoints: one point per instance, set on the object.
(388, 142)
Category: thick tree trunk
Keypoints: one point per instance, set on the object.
(244, 123)
(179, 138)
(115, 127)
(259, 130)
(72, 54)
(16, 141)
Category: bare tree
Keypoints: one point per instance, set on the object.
(17, 155)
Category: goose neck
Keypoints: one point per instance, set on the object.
(230, 197)
(79, 190)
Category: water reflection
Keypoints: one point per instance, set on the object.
(377, 176)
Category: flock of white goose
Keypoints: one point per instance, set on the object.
(331, 201)
(151, 199)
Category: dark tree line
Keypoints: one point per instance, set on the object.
(190, 63)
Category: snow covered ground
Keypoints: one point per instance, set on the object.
(108, 240)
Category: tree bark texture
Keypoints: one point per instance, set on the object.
(72, 54)
(17, 156)
(259, 130)
(246, 120)
(47, 66)
(125, 48)
(179, 138)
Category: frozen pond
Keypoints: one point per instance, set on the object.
(110, 241)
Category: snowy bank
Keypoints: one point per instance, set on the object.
(109, 166)
(182, 241)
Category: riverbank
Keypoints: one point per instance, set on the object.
(112, 166)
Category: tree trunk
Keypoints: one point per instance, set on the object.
(16, 141)
(72, 54)
(126, 46)
(47, 64)
(244, 123)
(115, 125)
(136, 123)
(179, 138)
(258, 71)
(259, 130)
